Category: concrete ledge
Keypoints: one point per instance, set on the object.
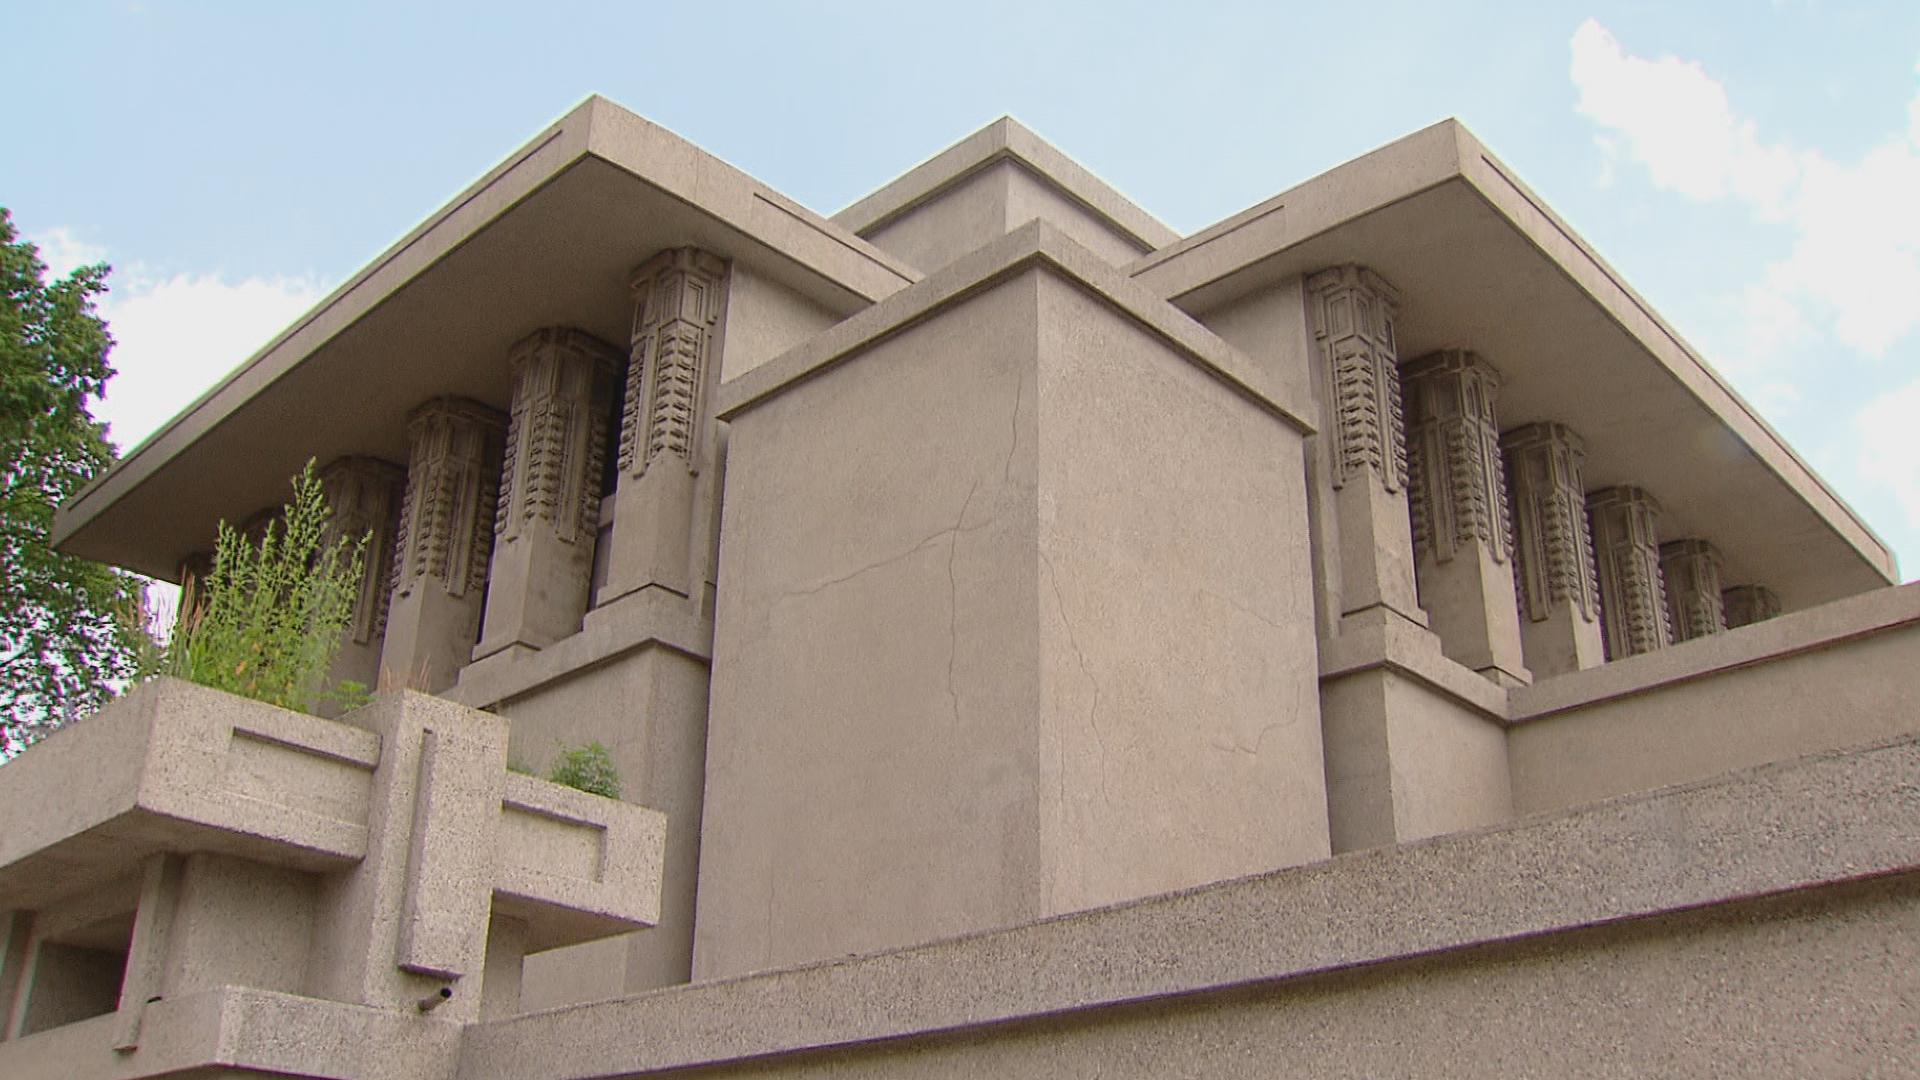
(175, 766)
(576, 867)
(254, 1031)
(1034, 244)
(685, 171)
(1412, 651)
(634, 621)
(1794, 826)
(1823, 627)
(1006, 139)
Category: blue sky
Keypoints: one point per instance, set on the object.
(1753, 169)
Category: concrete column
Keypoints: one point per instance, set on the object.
(1553, 550)
(549, 507)
(364, 494)
(679, 301)
(151, 947)
(1745, 605)
(1357, 378)
(16, 934)
(443, 544)
(1462, 536)
(1691, 572)
(1626, 545)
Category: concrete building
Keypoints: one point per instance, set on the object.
(1359, 638)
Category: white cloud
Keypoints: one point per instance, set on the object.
(1675, 120)
(64, 252)
(1855, 262)
(1888, 434)
(176, 337)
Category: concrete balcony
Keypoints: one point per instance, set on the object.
(184, 841)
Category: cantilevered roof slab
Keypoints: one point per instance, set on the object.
(547, 238)
(1481, 263)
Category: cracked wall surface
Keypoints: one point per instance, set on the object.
(1017, 621)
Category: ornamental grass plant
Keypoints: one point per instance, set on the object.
(267, 620)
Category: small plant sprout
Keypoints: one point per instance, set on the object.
(588, 768)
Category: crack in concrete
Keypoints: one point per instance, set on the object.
(1019, 394)
(1093, 707)
(795, 594)
(1241, 608)
(953, 599)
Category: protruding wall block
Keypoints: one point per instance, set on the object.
(444, 542)
(1553, 550)
(1691, 571)
(1462, 535)
(679, 299)
(1744, 605)
(1357, 378)
(364, 494)
(1626, 543)
(549, 507)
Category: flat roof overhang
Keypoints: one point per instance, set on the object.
(547, 238)
(1482, 264)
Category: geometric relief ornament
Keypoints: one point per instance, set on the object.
(1626, 546)
(364, 494)
(678, 298)
(1691, 570)
(1554, 543)
(1457, 487)
(1745, 605)
(556, 435)
(445, 534)
(1351, 311)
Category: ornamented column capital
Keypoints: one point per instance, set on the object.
(556, 438)
(453, 477)
(1555, 547)
(678, 297)
(1457, 498)
(549, 512)
(1745, 605)
(1351, 311)
(1691, 570)
(364, 494)
(1458, 490)
(1626, 542)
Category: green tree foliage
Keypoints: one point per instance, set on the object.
(68, 628)
(269, 619)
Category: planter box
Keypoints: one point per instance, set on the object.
(183, 840)
(178, 767)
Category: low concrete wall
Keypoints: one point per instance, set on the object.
(1765, 924)
(1841, 674)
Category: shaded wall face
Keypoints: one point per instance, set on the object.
(1016, 620)
(870, 773)
(1180, 734)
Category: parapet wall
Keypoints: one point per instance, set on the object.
(1763, 924)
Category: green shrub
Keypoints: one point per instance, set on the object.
(588, 768)
(268, 620)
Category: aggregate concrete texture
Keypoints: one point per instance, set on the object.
(1560, 945)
